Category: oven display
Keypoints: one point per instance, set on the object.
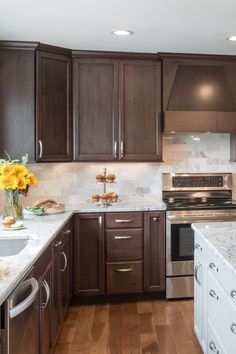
(198, 181)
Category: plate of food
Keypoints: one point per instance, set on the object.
(45, 207)
(9, 223)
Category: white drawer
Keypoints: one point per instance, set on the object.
(216, 306)
(214, 345)
(231, 328)
(217, 268)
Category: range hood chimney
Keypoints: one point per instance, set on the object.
(199, 95)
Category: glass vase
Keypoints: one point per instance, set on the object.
(13, 205)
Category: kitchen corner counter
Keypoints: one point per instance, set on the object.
(221, 237)
(41, 230)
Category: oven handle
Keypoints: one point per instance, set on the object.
(190, 218)
(21, 307)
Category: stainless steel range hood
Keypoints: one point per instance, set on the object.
(199, 95)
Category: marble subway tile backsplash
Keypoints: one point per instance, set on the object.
(72, 183)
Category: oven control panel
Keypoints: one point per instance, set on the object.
(197, 181)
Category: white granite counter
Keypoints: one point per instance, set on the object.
(221, 237)
(42, 229)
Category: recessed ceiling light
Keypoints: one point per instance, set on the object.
(121, 32)
(232, 38)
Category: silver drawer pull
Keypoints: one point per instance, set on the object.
(57, 244)
(119, 221)
(66, 261)
(115, 149)
(233, 294)
(212, 346)
(212, 293)
(233, 328)
(198, 247)
(40, 149)
(213, 267)
(124, 270)
(196, 269)
(123, 237)
(66, 231)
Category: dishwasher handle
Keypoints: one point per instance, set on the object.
(22, 306)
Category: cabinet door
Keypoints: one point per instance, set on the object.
(95, 91)
(46, 313)
(154, 251)
(65, 275)
(89, 254)
(53, 107)
(17, 112)
(140, 110)
(56, 289)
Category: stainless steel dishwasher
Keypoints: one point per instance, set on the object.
(22, 318)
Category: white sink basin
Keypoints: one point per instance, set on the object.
(12, 246)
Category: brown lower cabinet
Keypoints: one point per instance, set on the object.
(119, 253)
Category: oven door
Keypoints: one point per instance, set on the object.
(179, 248)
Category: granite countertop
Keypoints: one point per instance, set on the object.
(41, 230)
(221, 237)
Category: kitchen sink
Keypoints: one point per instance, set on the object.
(12, 246)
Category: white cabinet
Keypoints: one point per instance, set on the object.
(199, 292)
(214, 300)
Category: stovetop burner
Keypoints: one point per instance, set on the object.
(199, 203)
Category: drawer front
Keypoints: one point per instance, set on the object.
(214, 345)
(124, 245)
(124, 278)
(217, 268)
(216, 306)
(124, 220)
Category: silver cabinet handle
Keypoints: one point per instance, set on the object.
(233, 328)
(66, 231)
(40, 149)
(212, 293)
(121, 149)
(119, 221)
(198, 247)
(22, 306)
(100, 220)
(154, 219)
(233, 294)
(196, 269)
(57, 244)
(123, 237)
(212, 346)
(66, 262)
(115, 149)
(47, 289)
(213, 267)
(124, 270)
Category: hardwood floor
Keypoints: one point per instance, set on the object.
(163, 327)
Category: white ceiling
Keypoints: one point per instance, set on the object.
(197, 26)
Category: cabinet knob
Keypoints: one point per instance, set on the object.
(57, 244)
(233, 294)
(212, 346)
(154, 219)
(197, 247)
(213, 294)
(233, 328)
(66, 231)
(213, 267)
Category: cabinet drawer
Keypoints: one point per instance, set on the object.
(124, 220)
(124, 245)
(214, 345)
(124, 278)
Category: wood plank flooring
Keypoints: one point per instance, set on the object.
(150, 327)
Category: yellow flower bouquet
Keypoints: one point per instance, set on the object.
(15, 179)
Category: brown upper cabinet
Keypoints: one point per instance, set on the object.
(199, 93)
(117, 107)
(35, 96)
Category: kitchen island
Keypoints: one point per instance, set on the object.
(215, 286)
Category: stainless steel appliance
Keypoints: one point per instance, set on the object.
(191, 198)
(22, 318)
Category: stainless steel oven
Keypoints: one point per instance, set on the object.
(191, 198)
